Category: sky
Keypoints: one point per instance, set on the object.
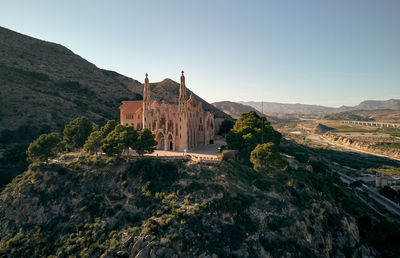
(330, 53)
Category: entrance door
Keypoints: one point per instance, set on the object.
(160, 140)
(170, 145)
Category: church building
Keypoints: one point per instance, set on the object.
(176, 127)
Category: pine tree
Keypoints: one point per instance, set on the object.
(94, 142)
(145, 142)
(44, 147)
(77, 132)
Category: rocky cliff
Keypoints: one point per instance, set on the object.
(150, 208)
(363, 144)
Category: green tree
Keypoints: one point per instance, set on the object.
(119, 139)
(77, 132)
(249, 131)
(145, 142)
(265, 156)
(94, 142)
(44, 147)
(108, 127)
(226, 126)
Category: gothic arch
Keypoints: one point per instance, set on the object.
(170, 142)
(160, 141)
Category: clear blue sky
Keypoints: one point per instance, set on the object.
(316, 52)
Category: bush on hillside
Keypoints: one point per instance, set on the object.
(155, 175)
(266, 156)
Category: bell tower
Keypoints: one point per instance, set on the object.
(146, 100)
(182, 94)
(146, 94)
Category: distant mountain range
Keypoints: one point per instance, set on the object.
(234, 108)
(44, 83)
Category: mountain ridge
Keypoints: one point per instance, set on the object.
(275, 107)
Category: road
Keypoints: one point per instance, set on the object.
(388, 204)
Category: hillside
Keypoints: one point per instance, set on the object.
(234, 109)
(106, 207)
(272, 107)
(46, 83)
(168, 90)
(379, 104)
(381, 115)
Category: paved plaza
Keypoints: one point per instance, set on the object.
(209, 151)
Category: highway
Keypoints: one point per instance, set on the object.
(388, 204)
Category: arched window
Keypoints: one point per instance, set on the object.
(162, 122)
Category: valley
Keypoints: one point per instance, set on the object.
(294, 181)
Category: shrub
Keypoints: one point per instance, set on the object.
(266, 156)
(157, 175)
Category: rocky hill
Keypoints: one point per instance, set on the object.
(46, 83)
(100, 206)
(393, 104)
(234, 109)
(321, 129)
(381, 115)
(386, 146)
(272, 107)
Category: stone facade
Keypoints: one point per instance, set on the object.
(176, 127)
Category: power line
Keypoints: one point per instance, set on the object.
(262, 122)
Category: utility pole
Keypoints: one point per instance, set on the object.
(262, 122)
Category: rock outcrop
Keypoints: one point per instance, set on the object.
(363, 144)
(321, 129)
(148, 208)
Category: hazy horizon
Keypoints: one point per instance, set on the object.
(328, 54)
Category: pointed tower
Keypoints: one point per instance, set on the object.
(182, 94)
(146, 94)
(182, 137)
(146, 100)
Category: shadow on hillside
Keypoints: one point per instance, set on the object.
(350, 159)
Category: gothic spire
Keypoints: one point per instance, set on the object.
(182, 94)
(146, 94)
